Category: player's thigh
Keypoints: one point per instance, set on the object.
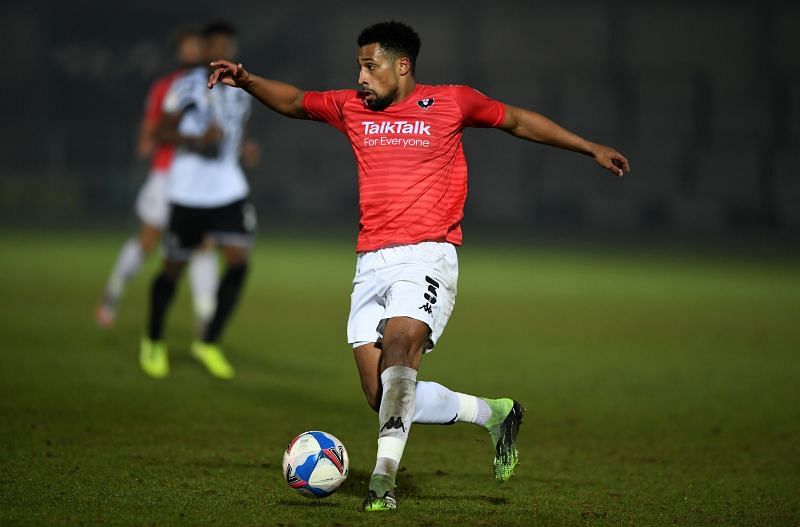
(233, 229)
(187, 230)
(152, 203)
(367, 302)
(149, 236)
(423, 288)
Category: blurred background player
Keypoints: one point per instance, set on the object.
(208, 195)
(152, 206)
(412, 177)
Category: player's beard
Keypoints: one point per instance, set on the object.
(382, 102)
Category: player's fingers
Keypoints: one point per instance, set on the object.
(625, 163)
(214, 78)
(614, 166)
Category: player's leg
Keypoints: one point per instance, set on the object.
(207, 350)
(437, 404)
(234, 227)
(404, 340)
(204, 282)
(153, 351)
(153, 210)
(185, 233)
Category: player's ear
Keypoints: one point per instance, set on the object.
(404, 64)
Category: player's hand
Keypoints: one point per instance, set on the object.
(212, 135)
(611, 160)
(228, 73)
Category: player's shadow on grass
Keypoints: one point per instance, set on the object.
(357, 483)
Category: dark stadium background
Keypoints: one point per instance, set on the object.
(704, 98)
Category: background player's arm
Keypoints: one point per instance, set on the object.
(278, 96)
(146, 142)
(168, 132)
(538, 128)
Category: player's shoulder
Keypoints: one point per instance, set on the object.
(449, 90)
(190, 78)
(346, 95)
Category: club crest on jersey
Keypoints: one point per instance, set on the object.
(425, 103)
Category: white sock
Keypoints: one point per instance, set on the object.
(394, 418)
(436, 404)
(128, 263)
(204, 281)
(473, 409)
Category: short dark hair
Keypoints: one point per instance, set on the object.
(394, 37)
(219, 27)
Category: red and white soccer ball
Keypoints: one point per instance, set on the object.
(315, 464)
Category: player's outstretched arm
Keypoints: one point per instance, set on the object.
(538, 128)
(278, 96)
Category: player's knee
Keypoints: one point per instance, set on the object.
(148, 245)
(172, 271)
(401, 350)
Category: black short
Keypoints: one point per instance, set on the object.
(232, 225)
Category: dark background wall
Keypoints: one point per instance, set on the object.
(704, 98)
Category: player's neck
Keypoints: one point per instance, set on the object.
(405, 90)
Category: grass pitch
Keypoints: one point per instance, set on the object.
(661, 390)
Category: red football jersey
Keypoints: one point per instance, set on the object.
(412, 174)
(162, 155)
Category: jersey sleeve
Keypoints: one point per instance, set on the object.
(478, 110)
(326, 106)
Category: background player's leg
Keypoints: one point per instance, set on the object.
(204, 281)
(229, 290)
(130, 260)
(207, 351)
(152, 350)
(161, 294)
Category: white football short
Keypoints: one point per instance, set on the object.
(152, 203)
(416, 281)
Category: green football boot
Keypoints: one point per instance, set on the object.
(213, 359)
(372, 503)
(153, 358)
(381, 494)
(503, 426)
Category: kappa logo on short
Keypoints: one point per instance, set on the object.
(425, 103)
(394, 423)
(427, 308)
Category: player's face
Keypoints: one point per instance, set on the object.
(222, 47)
(379, 76)
(191, 50)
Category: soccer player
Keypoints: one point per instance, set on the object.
(412, 178)
(152, 206)
(208, 194)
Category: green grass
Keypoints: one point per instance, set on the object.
(661, 390)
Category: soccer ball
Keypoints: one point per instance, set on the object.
(315, 464)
